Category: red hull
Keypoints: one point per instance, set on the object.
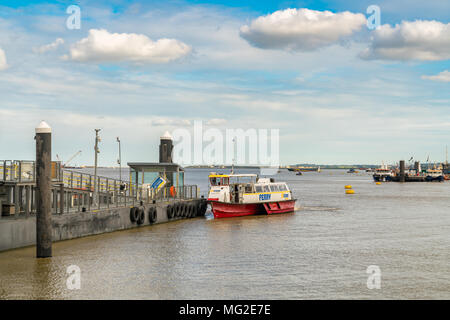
(228, 210)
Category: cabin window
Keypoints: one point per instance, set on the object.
(258, 188)
(283, 187)
(248, 188)
(266, 189)
(213, 181)
(274, 188)
(225, 181)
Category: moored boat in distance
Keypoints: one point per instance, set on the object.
(233, 195)
(383, 174)
(304, 169)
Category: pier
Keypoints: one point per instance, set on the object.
(76, 211)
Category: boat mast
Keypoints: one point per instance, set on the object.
(234, 156)
(446, 154)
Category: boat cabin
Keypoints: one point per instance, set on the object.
(246, 188)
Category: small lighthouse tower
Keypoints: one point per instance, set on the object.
(165, 148)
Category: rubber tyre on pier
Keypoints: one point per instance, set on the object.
(177, 209)
(152, 215)
(185, 210)
(141, 216)
(199, 209)
(181, 209)
(188, 210)
(204, 207)
(134, 214)
(169, 212)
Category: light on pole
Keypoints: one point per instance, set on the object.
(119, 161)
(97, 151)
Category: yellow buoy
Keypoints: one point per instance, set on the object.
(378, 183)
(348, 187)
(349, 191)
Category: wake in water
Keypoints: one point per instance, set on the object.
(318, 208)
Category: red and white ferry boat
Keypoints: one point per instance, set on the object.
(233, 195)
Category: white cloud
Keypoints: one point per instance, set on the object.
(417, 40)
(216, 122)
(164, 122)
(444, 76)
(3, 63)
(102, 46)
(48, 47)
(302, 29)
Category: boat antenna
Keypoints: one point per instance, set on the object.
(234, 156)
(446, 154)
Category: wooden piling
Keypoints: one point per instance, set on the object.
(402, 170)
(43, 191)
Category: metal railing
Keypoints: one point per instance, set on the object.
(25, 171)
(74, 191)
(171, 193)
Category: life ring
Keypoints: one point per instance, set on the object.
(133, 214)
(173, 191)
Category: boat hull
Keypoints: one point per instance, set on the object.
(229, 210)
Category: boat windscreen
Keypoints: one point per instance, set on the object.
(242, 180)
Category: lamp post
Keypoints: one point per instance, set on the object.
(97, 151)
(119, 161)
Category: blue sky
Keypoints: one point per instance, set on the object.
(338, 92)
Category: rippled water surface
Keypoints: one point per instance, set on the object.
(321, 251)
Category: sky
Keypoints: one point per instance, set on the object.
(338, 91)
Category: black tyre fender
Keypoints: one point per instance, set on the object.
(182, 209)
(141, 216)
(204, 207)
(169, 212)
(199, 208)
(152, 215)
(177, 209)
(133, 214)
(193, 210)
(185, 210)
(188, 210)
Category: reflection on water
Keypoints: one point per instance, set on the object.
(320, 251)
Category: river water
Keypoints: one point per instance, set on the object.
(321, 251)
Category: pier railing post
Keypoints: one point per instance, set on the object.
(43, 188)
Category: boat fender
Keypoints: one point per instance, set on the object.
(184, 210)
(152, 215)
(169, 212)
(133, 214)
(179, 209)
(191, 210)
(141, 216)
(205, 206)
(199, 209)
